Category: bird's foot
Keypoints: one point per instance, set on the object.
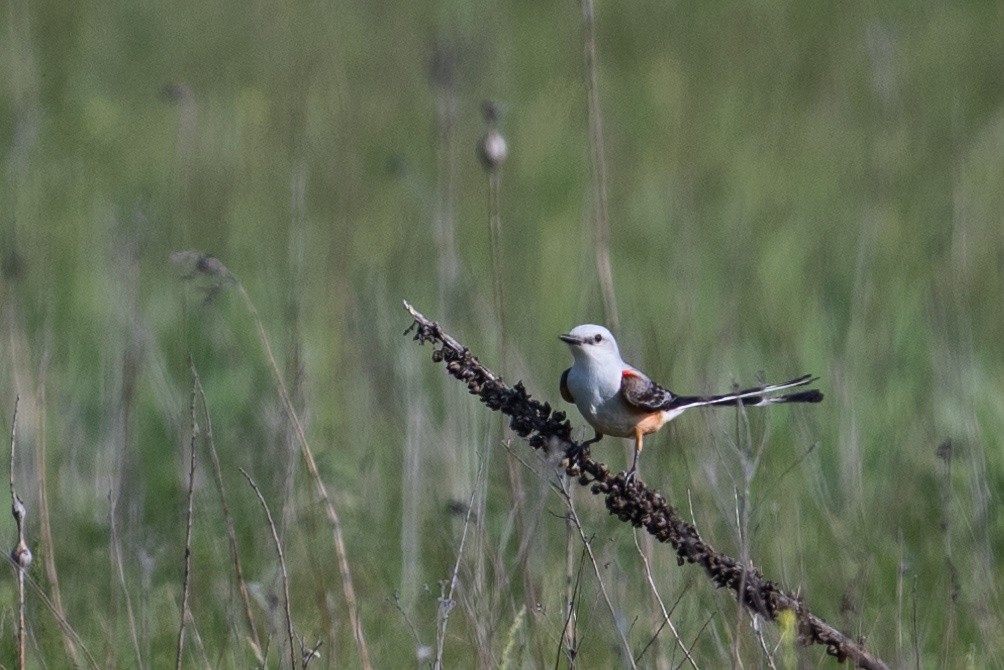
(577, 452)
(580, 450)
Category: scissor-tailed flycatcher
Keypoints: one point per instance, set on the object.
(620, 400)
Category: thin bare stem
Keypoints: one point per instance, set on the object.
(647, 547)
(282, 568)
(446, 602)
(493, 153)
(601, 218)
(21, 555)
(180, 648)
(944, 454)
(310, 654)
(900, 570)
(510, 644)
(571, 642)
(566, 496)
(741, 517)
(495, 235)
(444, 217)
(64, 625)
(568, 641)
(242, 587)
(45, 529)
(913, 621)
(662, 605)
(572, 579)
(407, 620)
(700, 631)
(758, 629)
(199, 644)
(120, 570)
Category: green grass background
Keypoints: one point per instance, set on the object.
(794, 187)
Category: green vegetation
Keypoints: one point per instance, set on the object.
(793, 187)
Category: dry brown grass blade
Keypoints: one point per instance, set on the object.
(119, 567)
(45, 527)
(185, 587)
(601, 218)
(633, 502)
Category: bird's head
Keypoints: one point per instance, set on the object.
(592, 344)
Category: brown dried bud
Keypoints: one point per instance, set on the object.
(492, 150)
(944, 451)
(21, 554)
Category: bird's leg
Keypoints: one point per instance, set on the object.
(574, 452)
(583, 447)
(639, 438)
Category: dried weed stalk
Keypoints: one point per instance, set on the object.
(20, 554)
(186, 583)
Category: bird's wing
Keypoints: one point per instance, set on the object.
(757, 396)
(641, 392)
(644, 394)
(566, 392)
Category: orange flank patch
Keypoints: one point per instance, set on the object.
(628, 373)
(650, 423)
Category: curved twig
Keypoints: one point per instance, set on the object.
(282, 568)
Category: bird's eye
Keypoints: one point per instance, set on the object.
(597, 338)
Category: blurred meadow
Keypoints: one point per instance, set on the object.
(792, 187)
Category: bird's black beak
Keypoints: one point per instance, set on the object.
(570, 339)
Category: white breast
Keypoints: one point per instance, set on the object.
(597, 396)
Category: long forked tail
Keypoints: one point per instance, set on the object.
(753, 397)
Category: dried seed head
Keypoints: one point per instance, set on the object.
(21, 554)
(491, 111)
(944, 451)
(192, 264)
(176, 92)
(492, 150)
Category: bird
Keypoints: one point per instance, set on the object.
(619, 400)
